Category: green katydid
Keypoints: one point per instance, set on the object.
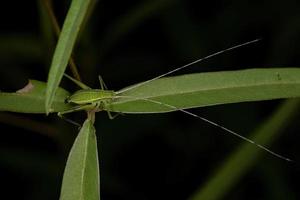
(100, 99)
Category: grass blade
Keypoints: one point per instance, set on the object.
(211, 88)
(64, 47)
(31, 99)
(81, 176)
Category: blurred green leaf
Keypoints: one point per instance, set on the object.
(81, 176)
(66, 41)
(228, 175)
(207, 89)
(31, 99)
(24, 47)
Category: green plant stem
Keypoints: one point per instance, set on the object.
(246, 155)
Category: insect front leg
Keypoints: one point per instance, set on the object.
(110, 116)
(80, 84)
(76, 109)
(102, 84)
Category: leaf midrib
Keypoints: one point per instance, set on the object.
(82, 178)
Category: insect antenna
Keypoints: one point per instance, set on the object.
(214, 124)
(187, 65)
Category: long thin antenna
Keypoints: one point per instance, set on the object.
(187, 65)
(214, 124)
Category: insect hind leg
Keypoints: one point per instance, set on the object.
(105, 105)
(110, 116)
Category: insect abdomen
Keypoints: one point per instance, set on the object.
(90, 95)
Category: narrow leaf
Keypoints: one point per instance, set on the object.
(31, 99)
(64, 47)
(81, 176)
(207, 89)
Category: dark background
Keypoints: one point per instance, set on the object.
(157, 156)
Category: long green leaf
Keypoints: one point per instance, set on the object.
(81, 176)
(31, 99)
(206, 89)
(66, 41)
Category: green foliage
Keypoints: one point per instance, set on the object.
(31, 99)
(64, 47)
(182, 92)
(81, 176)
(207, 89)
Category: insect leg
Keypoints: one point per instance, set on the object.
(102, 84)
(76, 108)
(70, 121)
(80, 84)
(105, 105)
(110, 116)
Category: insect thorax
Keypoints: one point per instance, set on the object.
(86, 96)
